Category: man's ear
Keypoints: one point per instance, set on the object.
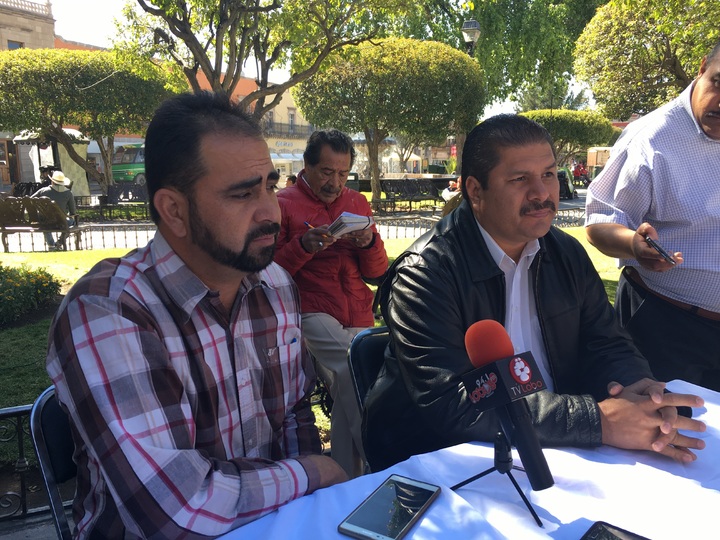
(703, 66)
(474, 190)
(174, 210)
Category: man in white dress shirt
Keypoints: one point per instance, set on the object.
(662, 182)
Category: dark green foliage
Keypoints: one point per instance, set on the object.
(573, 131)
(23, 290)
(637, 55)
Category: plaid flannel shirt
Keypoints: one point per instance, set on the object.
(187, 421)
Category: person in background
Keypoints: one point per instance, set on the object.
(45, 172)
(181, 365)
(580, 174)
(498, 257)
(454, 201)
(291, 180)
(657, 185)
(450, 191)
(330, 272)
(60, 193)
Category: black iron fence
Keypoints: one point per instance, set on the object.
(570, 217)
(14, 441)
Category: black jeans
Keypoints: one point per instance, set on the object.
(677, 343)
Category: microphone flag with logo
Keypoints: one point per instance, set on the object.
(502, 380)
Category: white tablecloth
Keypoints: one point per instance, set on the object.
(639, 491)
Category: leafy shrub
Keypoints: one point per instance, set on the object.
(573, 131)
(23, 290)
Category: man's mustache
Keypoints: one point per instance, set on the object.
(534, 206)
(264, 230)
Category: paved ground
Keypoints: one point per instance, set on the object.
(33, 528)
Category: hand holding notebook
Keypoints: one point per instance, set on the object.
(348, 222)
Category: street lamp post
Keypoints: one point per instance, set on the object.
(471, 34)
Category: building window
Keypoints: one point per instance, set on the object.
(13, 45)
(270, 117)
(291, 120)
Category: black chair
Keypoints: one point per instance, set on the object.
(50, 430)
(366, 355)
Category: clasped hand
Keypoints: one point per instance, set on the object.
(642, 417)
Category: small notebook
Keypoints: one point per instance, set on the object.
(347, 223)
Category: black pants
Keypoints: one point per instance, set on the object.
(677, 343)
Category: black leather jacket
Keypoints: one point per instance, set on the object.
(445, 282)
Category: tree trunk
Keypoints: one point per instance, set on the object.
(63, 138)
(373, 140)
(106, 151)
(460, 136)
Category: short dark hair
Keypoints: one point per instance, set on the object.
(335, 139)
(480, 152)
(713, 53)
(172, 141)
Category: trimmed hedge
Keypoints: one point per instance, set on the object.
(23, 290)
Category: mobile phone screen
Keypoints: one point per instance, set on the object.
(391, 510)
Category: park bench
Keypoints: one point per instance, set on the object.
(125, 200)
(25, 189)
(31, 215)
(409, 190)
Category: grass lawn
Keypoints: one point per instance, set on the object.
(66, 266)
(22, 347)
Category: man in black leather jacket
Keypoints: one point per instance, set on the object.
(602, 388)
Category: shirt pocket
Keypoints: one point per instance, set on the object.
(283, 363)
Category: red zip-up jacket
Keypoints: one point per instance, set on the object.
(330, 281)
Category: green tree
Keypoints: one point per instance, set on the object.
(520, 41)
(573, 131)
(217, 38)
(637, 55)
(420, 89)
(523, 41)
(532, 97)
(44, 90)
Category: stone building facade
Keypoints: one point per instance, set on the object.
(26, 24)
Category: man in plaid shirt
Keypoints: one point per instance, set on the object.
(181, 365)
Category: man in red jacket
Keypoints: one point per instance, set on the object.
(336, 303)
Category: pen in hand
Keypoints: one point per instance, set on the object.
(309, 226)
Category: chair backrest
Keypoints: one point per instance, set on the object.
(12, 212)
(49, 214)
(50, 430)
(366, 355)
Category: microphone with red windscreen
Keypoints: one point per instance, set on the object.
(501, 381)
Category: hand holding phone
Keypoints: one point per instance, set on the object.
(657, 247)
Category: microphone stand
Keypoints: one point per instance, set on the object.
(503, 464)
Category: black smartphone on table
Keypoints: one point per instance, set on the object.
(601, 530)
(390, 511)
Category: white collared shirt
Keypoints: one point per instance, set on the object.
(665, 170)
(521, 318)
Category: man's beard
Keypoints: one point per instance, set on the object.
(243, 261)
